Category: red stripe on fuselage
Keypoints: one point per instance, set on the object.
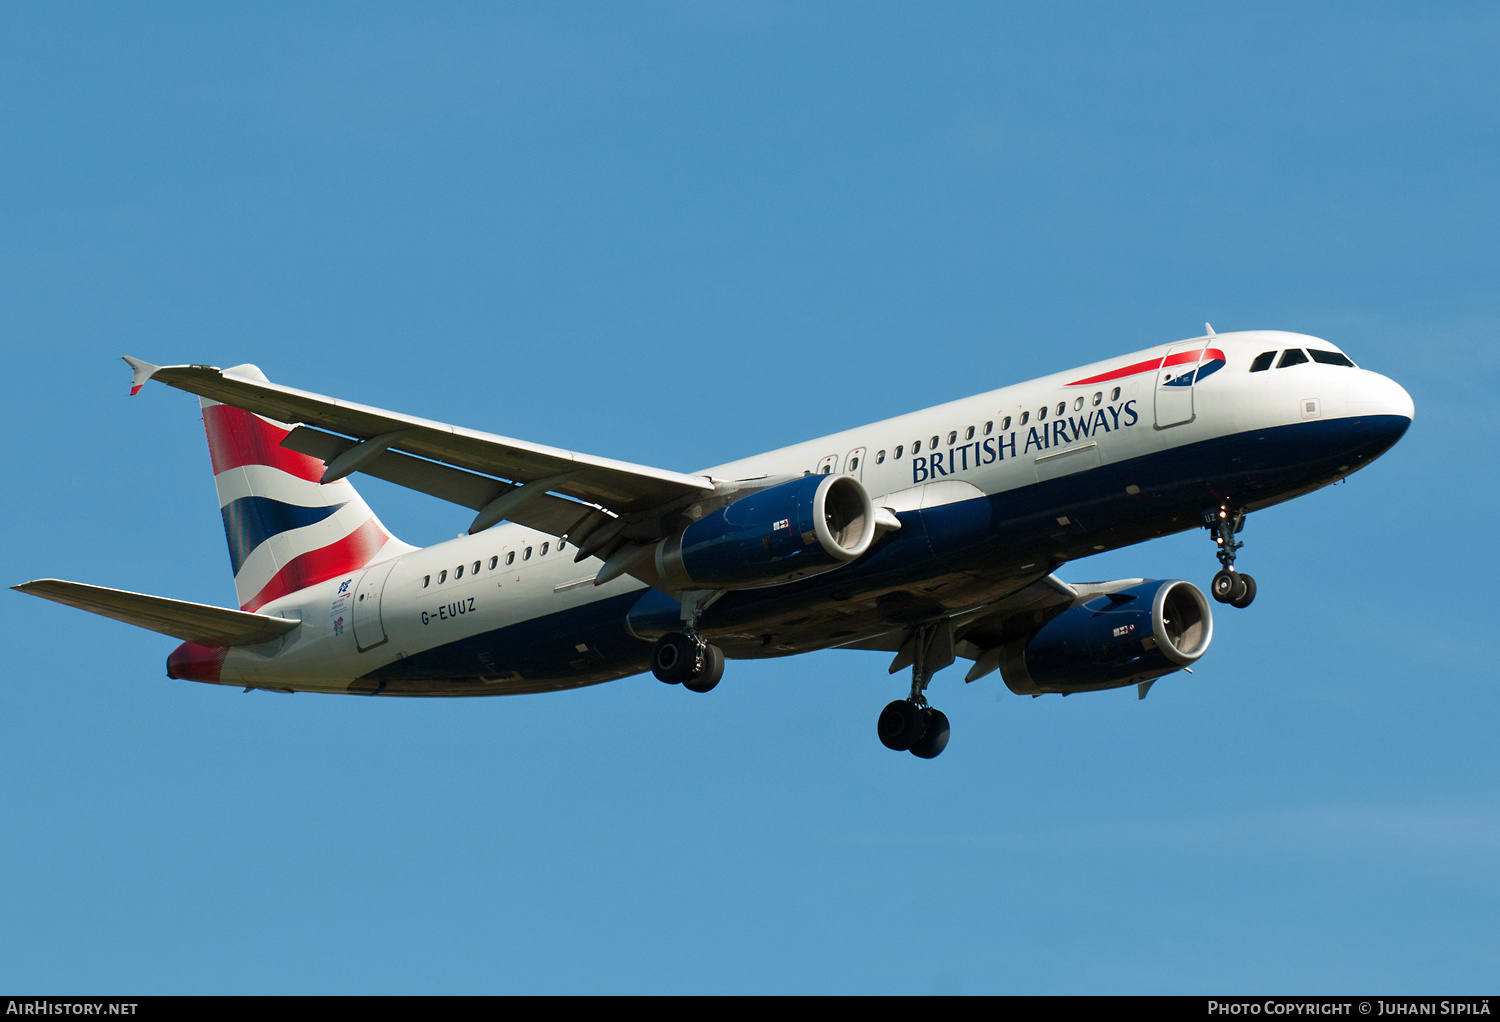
(348, 554)
(237, 438)
(1151, 365)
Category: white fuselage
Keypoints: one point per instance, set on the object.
(977, 447)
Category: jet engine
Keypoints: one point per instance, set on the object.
(779, 534)
(1120, 638)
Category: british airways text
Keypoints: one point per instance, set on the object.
(1041, 437)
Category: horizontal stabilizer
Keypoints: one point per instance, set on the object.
(192, 622)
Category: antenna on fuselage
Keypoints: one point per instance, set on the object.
(1210, 328)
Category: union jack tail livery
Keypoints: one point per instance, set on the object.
(286, 530)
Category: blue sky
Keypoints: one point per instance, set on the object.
(677, 234)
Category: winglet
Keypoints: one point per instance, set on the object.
(143, 371)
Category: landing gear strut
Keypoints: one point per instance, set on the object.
(1229, 586)
(910, 724)
(685, 658)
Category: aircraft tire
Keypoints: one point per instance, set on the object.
(901, 725)
(1224, 586)
(1246, 595)
(935, 739)
(673, 658)
(713, 670)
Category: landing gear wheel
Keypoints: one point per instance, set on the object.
(1226, 585)
(935, 739)
(1246, 595)
(675, 659)
(713, 670)
(901, 725)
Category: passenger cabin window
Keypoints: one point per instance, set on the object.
(527, 555)
(853, 467)
(1041, 414)
(989, 427)
(1025, 418)
(442, 577)
(544, 549)
(426, 581)
(1098, 397)
(1291, 357)
(1262, 361)
(1078, 404)
(1006, 423)
(476, 567)
(916, 445)
(970, 434)
(898, 452)
(933, 446)
(1062, 406)
(1330, 358)
(1114, 395)
(953, 438)
(880, 457)
(562, 545)
(458, 572)
(494, 562)
(510, 558)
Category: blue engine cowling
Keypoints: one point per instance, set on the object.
(779, 534)
(1121, 638)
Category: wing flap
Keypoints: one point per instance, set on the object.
(620, 486)
(191, 622)
(544, 512)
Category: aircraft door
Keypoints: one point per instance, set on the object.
(827, 466)
(1174, 384)
(854, 463)
(369, 630)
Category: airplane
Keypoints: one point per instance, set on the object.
(930, 536)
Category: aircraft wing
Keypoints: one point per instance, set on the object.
(191, 622)
(368, 439)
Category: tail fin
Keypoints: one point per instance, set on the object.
(286, 530)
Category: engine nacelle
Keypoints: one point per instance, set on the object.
(779, 534)
(1121, 638)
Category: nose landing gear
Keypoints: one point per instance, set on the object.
(1229, 586)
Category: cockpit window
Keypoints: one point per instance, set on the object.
(1330, 358)
(1263, 361)
(1291, 357)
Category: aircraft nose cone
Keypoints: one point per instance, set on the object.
(1373, 394)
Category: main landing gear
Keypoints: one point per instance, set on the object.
(685, 658)
(910, 724)
(1229, 586)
